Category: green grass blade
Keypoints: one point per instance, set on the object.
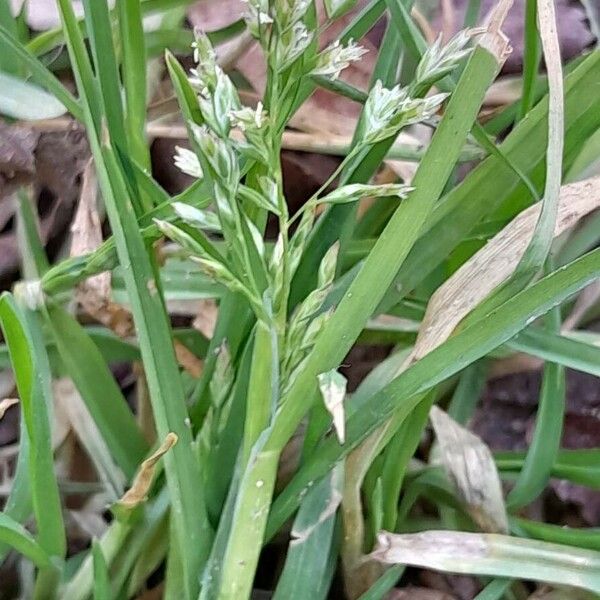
(26, 101)
(531, 57)
(34, 262)
(558, 348)
(472, 13)
(578, 466)
(397, 456)
(494, 590)
(186, 96)
(312, 537)
(40, 74)
(97, 386)
(558, 534)
(413, 43)
(164, 382)
(32, 373)
(467, 392)
(134, 77)
(91, 104)
(384, 584)
(456, 353)
(102, 587)
(97, 19)
(19, 505)
(537, 468)
(8, 64)
(263, 387)
(16, 536)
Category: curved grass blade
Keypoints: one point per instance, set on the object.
(456, 353)
(544, 447)
(537, 468)
(96, 384)
(579, 466)
(541, 241)
(16, 536)
(559, 534)
(32, 373)
(41, 74)
(492, 554)
(557, 348)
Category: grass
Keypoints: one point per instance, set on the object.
(290, 309)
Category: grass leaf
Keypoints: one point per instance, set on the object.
(23, 100)
(32, 373)
(492, 554)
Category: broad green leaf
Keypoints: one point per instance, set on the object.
(26, 101)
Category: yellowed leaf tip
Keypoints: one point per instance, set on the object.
(494, 40)
(141, 484)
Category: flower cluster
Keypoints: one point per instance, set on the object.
(335, 58)
(217, 95)
(388, 110)
(438, 61)
(257, 17)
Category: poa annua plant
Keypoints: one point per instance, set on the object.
(203, 503)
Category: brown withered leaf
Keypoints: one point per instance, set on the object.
(494, 264)
(17, 160)
(5, 404)
(188, 360)
(206, 318)
(58, 161)
(469, 464)
(141, 484)
(93, 294)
